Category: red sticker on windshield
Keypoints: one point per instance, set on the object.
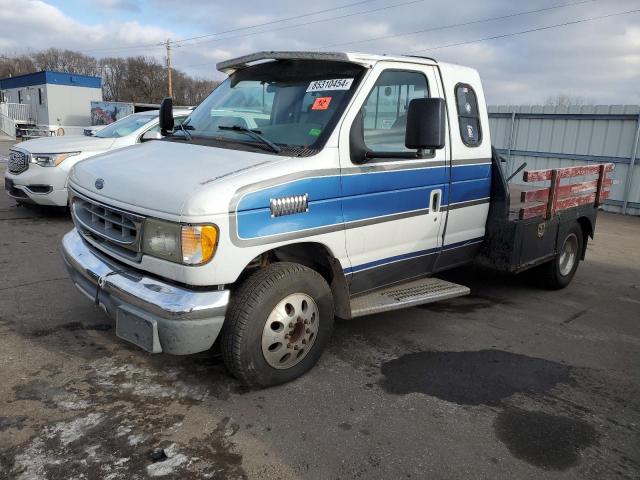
(321, 103)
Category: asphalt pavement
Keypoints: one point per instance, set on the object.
(509, 382)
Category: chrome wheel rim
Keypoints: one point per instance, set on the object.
(568, 255)
(290, 331)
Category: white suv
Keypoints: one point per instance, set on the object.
(38, 169)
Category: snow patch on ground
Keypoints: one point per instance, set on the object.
(144, 382)
(75, 429)
(123, 430)
(161, 469)
(33, 460)
(166, 467)
(136, 439)
(73, 404)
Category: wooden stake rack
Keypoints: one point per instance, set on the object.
(557, 197)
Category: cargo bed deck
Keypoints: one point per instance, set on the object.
(525, 222)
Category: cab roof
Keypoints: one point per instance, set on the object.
(365, 59)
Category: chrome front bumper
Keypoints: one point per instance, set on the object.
(157, 316)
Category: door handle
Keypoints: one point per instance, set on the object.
(434, 204)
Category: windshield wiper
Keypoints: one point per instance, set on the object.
(186, 134)
(252, 133)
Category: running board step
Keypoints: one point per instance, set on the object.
(416, 292)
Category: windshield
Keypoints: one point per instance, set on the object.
(292, 104)
(125, 126)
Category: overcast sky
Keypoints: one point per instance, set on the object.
(597, 60)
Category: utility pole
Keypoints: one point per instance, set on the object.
(168, 46)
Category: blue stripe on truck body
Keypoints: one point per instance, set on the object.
(340, 199)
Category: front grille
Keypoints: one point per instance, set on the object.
(18, 161)
(114, 229)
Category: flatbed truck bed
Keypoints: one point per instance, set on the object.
(527, 225)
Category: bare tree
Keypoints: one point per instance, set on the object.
(114, 81)
(190, 91)
(132, 79)
(65, 61)
(10, 66)
(146, 80)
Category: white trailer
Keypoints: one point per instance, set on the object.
(51, 102)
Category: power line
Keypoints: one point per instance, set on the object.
(303, 15)
(495, 37)
(154, 46)
(318, 12)
(322, 20)
(431, 28)
(463, 24)
(522, 32)
(395, 5)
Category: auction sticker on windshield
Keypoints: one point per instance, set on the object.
(321, 103)
(335, 84)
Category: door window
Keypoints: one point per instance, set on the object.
(468, 116)
(385, 110)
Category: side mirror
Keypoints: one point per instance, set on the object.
(426, 124)
(166, 115)
(150, 135)
(357, 148)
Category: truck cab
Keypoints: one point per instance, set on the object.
(306, 186)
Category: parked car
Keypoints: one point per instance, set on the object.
(37, 169)
(372, 174)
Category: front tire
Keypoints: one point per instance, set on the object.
(279, 321)
(559, 272)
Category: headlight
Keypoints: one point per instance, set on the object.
(162, 239)
(187, 244)
(199, 243)
(51, 159)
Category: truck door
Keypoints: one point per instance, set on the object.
(391, 202)
(469, 191)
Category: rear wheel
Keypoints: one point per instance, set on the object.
(279, 321)
(559, 272)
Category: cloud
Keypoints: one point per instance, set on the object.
(37, 25)
(598, 60)
(127, 5)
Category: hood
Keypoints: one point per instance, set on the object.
(161, 176)
(74, 143)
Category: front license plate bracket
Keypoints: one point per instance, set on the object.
(138, 329)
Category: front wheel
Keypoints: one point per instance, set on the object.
(559, 272)
(279, 321)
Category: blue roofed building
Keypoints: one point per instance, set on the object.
(49, 100)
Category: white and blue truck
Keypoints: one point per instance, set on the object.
(310, 186)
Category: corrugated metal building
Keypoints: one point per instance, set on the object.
(550, 137)
(53, 98)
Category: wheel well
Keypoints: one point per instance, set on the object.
(587, 231)
(317, 257)
(313, 255)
